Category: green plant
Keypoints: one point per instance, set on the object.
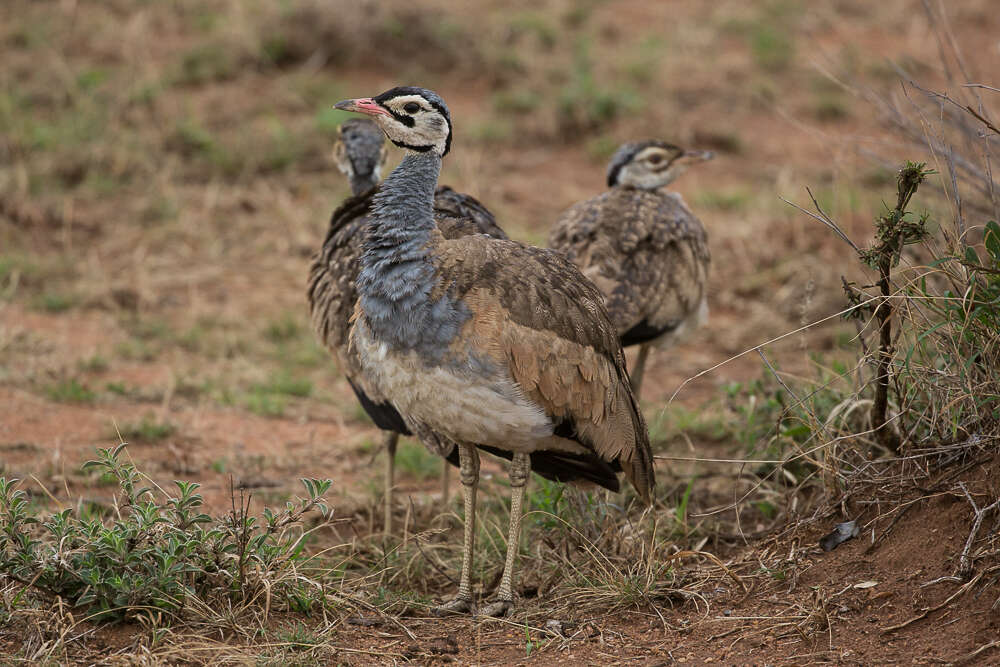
(771, 46)
(414, 460)
(70, 390)
(55, 302)
(148, 429)
(160, 551)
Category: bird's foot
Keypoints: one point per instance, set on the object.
(456, 606)
(498, 609)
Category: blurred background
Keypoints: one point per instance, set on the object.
(166, 173)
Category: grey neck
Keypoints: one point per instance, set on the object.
(397, 267)
(362, 184)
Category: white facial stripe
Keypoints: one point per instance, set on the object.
(397, 103)
(646, 153)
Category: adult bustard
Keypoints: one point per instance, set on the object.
(487, 343)
(642, 247)
(360, 154)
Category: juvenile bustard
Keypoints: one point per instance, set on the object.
(360, 153)
(642, 247)
(487, 343)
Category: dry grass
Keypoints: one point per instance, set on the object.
(164, 177)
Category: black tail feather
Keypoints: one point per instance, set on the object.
(385, 416)
(560, 467)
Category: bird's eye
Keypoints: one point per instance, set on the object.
(655, 159)
(411, 107)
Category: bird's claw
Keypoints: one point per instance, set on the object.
(456, 606)
(498, 609)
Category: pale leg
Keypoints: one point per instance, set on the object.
(520, 469)
(445, 483)
(469, 476)
(640, 367)
(390, 442)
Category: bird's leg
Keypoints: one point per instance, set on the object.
(445, 483)
(640, 367)
(468, 458)
(520, 469)
(391, 440)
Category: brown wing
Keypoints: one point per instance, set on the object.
(332, 274)
(459, 214)
(645, 251)
(534, 312)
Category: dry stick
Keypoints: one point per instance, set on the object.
(970, 656)
(964, 561)
(925, 612)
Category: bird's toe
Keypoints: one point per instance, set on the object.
(456, 606)
(498, 609)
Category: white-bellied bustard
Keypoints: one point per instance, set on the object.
(642, 247)
(360, 153)
(487, 343)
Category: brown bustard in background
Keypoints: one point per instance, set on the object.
(642, 247)
(489, 344)
(360, 154)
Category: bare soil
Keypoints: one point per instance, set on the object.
(163, 185)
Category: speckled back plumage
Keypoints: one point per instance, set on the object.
(646, 251)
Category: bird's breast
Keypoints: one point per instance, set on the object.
(466, 400)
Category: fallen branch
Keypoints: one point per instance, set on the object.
(929, 610)
(965, 561)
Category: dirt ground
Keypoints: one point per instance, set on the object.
(165, 175)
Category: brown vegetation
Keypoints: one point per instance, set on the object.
(164, 177)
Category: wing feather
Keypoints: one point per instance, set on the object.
(646, 252)
(557, 341)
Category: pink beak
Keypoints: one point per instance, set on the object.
(365, 105)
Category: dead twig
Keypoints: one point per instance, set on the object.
(965, 561)
(929, 610)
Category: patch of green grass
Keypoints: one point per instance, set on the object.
(516, 101)
(191, 139)
(286, 328)
(535, 24)
(298, 636)
(734, 199)
(305, 353)
(265, 404)
(830, 107)
(584, 103)
(94, 364)
(70, 390)
(148, 429)
(90, 79)
(119, 388)
(415, 461)
(159, 209)
(329, 119)
(286, 384)
(704, 423)
(207, 63)
(491, 130)
(602, 147)
(137, 350)
(771, 46)
(55, 302)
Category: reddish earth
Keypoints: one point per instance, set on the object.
(184, 286)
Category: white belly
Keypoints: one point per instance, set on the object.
(459, 405)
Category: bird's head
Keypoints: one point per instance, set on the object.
(360, 153)
(649, 165)
(415, 119)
